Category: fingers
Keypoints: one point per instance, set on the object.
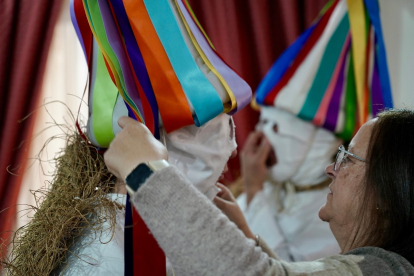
(225, 193)
(252, 141)
(257, 146)
(220, 203)
(264, 149)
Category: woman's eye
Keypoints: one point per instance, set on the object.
(345, 160)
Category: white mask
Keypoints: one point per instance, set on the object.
(290, 137)
(302, 149)
(201, 153)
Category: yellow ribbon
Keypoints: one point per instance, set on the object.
(198, 23)
(227, 107)
(356, 13)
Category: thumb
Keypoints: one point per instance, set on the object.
(124, 120)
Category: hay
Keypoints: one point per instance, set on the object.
(76, 200)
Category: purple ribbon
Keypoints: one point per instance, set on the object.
(116, 43)
(136, 58)
(76, 26)
(241, 90)
(376, 91)
(335, 104)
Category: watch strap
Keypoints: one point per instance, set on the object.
(141, 173)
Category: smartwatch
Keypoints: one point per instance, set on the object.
(141, 173)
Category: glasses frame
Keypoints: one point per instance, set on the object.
(341, 149)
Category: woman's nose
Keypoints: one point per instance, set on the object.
(330, 172)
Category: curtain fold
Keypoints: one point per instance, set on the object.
(250, 35)
(26, 29)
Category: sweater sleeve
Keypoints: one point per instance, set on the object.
(198, 239)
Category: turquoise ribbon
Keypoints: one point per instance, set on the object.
(199, 91)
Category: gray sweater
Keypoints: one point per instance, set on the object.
(198, 239)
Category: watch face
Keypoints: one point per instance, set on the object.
(138, 176)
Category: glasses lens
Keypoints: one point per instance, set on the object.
(338, 160)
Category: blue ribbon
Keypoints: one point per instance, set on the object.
(199, 91)
(128, 240)
(279, 68)
(372, 7)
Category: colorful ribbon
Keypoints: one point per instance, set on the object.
(136, 59)
(152, 61)
(174, 109)
(335, 74)
(206, 105)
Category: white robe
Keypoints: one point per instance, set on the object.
(295, 234)
(99, 257)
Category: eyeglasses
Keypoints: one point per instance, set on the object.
(342, 155)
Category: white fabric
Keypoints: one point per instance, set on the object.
(201, 153)
(293, 95)
(302, 151)
(296, 234)
(98, 257)
(291, 143)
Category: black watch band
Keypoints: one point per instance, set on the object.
(138, 177)
(141, 173)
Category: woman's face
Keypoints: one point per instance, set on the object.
(342, 204)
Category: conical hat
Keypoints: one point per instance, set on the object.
(335, 74)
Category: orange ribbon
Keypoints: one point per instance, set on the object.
(172, 102)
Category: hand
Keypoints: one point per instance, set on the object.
(226, 202)
(133, 145)
(253, 163)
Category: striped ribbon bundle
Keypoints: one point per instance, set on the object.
(151, 60)
(335, 74)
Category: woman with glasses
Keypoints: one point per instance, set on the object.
(370, 208)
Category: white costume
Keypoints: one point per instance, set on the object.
(285, 212)
(200, 153)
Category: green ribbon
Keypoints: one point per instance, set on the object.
(325, 71)
(350, 102)
(99, 29)
(104, 98)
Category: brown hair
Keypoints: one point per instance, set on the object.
(388, 204)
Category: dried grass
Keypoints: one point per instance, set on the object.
(76, 200)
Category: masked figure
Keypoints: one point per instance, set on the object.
(284, 212)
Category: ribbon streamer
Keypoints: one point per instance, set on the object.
(335, 74)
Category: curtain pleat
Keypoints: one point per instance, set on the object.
(26, 29)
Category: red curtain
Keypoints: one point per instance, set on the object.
(250, 35)
(26, 29)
